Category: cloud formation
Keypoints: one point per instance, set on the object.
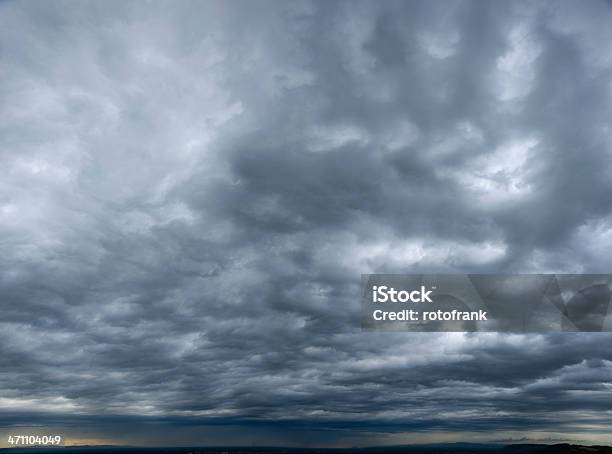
(192, 189)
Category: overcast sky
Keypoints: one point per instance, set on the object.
(191, 190)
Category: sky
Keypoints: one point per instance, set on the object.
(190, 192)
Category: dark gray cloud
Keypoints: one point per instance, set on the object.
(192, 189)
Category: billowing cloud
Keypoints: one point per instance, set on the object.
(191, 191)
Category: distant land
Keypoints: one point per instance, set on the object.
(450, 448)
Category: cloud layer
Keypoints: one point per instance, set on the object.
(191, 190)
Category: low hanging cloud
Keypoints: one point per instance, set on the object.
(191, 191)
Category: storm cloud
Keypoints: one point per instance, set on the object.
(191, 190)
